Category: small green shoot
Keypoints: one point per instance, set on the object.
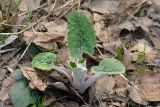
(143, 70)
(120, 54)
(141, 57)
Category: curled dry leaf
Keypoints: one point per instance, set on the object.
(32, 76)
(149, 88)
(44, 40)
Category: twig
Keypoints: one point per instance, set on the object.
(33, 10)
(13, 25)
(35, 35)
(78, 95)
(100, 52)
(79, 4)
(33, 24)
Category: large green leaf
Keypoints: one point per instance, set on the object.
(44, 61)
(81, 35)
(21, 94)
(109, 66)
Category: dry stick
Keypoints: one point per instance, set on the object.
(13, 25)
(65, 12)
(33, 10)
(99, 52)
(78, 95)
(35, 35)
(79, 4)
(33, 24)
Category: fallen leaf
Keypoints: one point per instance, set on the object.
(4, 92)
(128, 58)
(28, 4)
(97, 17)
(58, 27)
(104, 6)
(104, 86)
(44, 40)
(136, 96)
(9, 40)
(32, 76)
(127, 24)
(149, 88)
(101, 32)
(151, 91)
(157, 2)
(49, 100)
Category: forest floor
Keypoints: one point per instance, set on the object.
(128, 30)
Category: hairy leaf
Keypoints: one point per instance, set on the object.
(81, 35)
(44, 61)
(21, 94)
(109, 66)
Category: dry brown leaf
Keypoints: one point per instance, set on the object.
(63, 57)
(142, 47)
(151, 91)
(28, 4)
(49, 100)
(136, 96)
(44, 40)
(104, 6)
(101, 32)
(128, 57)
(149, 88)
(32, 76)
(58, 27)
(4, 92)
(104, 86)
(127, 25)
(156, 2)
(97, 17)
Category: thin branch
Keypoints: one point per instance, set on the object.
(33, 24)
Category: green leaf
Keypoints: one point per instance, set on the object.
(72, 64)
(44, 61)
(143, 70)
(109, 66)
(21, 94)
(120, 54)
(17, 74)
(140, 58)
(81, 35)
